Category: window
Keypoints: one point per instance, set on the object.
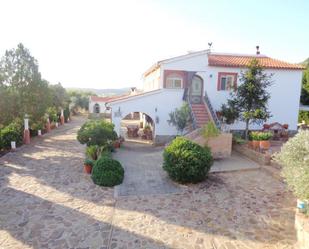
(174, 82)
(96, 108)
(227, 81)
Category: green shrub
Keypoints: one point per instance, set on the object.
(180, 118)
(303, 116)
(210, 130)
(52, 114)
(66, 114)
(265, 136)
(238, 139)
(260, 136)
(35, 126)
(11, 132)
(294, 157)
(89, 162)
(94, 151)
(254, 135)
(186, 161)
(107, 172)
(97, 132)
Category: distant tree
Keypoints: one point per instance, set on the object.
(180, 118)
(248, 102)
(79, 99)
(20, 77)
(58, 95)
(305, 85)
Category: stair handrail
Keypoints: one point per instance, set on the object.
(194, 124)
(212, 112)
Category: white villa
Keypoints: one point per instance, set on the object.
(204, 79)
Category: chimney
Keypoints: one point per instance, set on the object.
(133, 90)
(257, 50)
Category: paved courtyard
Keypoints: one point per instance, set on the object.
(46, 201)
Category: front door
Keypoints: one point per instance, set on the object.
(196, 90)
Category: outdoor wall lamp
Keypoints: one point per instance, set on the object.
(157, 120)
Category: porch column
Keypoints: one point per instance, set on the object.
(26, 138)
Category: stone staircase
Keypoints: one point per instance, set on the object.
(201, 114)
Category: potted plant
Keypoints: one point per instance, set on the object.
(117, 143)
(88, 163)
(148, 132)
(264, 140)
(254, 135)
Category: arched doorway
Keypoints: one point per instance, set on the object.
(196, 90)
(138, 127)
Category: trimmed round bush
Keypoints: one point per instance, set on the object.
(186, 161)
(107, 172)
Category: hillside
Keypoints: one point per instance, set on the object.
(102, 92)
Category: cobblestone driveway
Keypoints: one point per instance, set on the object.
(47, 202)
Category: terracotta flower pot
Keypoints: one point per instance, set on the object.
(255, 144)
(265, 144)
(87, 168)
(116, 144)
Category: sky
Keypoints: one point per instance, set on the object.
(109, 44)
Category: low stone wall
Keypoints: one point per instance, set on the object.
(162, 139)
(302, 230)
(221, 146)
(99, 115)
(260, 158)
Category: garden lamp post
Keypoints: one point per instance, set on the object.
(62, 117)
(26, 130)
(47, 124)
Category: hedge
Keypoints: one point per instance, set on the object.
(11, 132)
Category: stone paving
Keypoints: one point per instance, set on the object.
(46, 201)
(143, 171)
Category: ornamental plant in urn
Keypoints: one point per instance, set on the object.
(264, 140)
(254, 135)
(88, 163)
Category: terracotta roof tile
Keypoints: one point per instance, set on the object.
(219, 60)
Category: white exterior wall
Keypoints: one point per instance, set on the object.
(283, 103)
(101, 104)
(152, 81)
(164, 101)
(197, 63)
(285, 91)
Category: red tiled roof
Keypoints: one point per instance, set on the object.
(219, 60)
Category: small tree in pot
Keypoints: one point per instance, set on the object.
(248, 102)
